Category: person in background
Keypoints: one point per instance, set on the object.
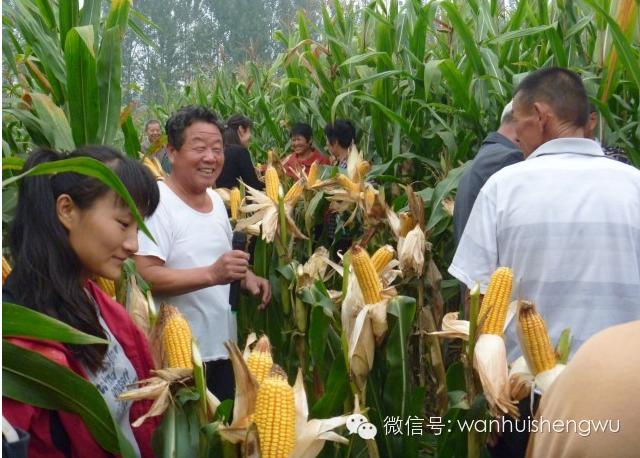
(237, 159)
(191, 265)
(612, 152)
(304, 153)
(340, 136)
(594, 391)
(498, 150)
(153, 134)
(70, 228)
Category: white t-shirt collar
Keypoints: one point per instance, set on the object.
(569, 145)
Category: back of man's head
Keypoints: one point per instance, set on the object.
(183, 118)
(559, 88)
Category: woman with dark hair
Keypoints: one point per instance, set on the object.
(303, 154)
(237, 159)
(69, 228)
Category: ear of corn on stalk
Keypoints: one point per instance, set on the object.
(312, 178)
(106, 285)
(406, 223)
(362, 169)
(347, 184)
(154, 167)
(382, 257)
(536, 344)
(260, 360)
(294, 193)
(272, 183)
(495, 304)
(176, 339)
(275, 415)
(366, 274)
(234, 203)
(6, 269)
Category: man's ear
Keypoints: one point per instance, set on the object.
(543, 113)
(171, 152)
(67, 211)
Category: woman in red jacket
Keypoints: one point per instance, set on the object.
(69, 228)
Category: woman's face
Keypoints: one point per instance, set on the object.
(245, 136)
(103, 236)
(300, 145)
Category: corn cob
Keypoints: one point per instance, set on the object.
(234, 203)
(272, 183)
(294, 193)
(6, 269)
(536, 344)
(369, 197)
(275, 415)
(366, 274)
(176, 339)
(363, 168)
(495, 304)
(106, 285)
(153, 167)
(260, 361)
(313, 174)
(382, 257)
(407, 223)
(347, 184)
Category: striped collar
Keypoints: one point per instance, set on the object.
(582, 146)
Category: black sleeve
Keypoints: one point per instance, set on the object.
(513, 157)
(247, 171)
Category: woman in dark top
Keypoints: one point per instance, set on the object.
(237, 159)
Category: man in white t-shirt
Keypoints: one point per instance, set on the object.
(192, 263)
(566, 220)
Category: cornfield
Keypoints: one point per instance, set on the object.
(423, 82)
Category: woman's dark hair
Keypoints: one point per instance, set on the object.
(341, 131)
(47, 274)
(301, 128)
(183, 118)
(231, 127)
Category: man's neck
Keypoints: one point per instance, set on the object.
(306, 155)
(199, 201)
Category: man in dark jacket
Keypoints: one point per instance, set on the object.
(498, 150)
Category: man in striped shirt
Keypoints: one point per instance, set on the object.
(566, 220)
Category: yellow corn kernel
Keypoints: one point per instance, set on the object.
(106, 285)
(495, 304)
(407, 223)
(362, 168)
(536, 344)
(312, 178)
(6, 269)
(275, 415)
(347, 184)
(272, 183)
(260, 360)
(366, 274)
(294, 193)
(382, 257)
(234, 203)
(176, 339)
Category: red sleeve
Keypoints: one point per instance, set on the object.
(19, 415)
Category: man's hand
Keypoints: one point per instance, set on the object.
(231, 266)
(259, 287)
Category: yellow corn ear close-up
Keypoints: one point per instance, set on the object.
(272, 183)
(347, 184)
(312, 178)
(382, 257)
(176, 339)
(368, 278)
(275, 415)
(154, 167)
(407, 223)
(536, 344)
(495, 304)
(106, 285)
(234, 203)
(260, 360)
(6, 269)
(294, 193)
(362, 169)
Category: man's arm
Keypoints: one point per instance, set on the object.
(230, 267)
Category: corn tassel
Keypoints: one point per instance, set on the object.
(382, 257)
(312, 178)
(495, 304)
(536, 344)
(347, 184)
(6, 269)
(260, 361)
(234, 203)
(272, 183)
(275, 415)
(176, 339)
(366, 274)
(106, 285)
(294, 193)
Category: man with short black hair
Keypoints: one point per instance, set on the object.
(566, 220)
(340, 136)
(304, 154)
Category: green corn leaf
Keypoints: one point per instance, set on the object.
(109, 70)
(68, 13)
(54, 123)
